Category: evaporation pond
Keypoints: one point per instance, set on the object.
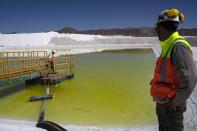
(109, 89)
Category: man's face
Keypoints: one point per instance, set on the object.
(160, 32)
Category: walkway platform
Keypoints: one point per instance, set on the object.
(54, 79)
(22, 66)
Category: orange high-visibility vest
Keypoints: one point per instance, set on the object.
(165, 81)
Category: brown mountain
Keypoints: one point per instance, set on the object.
(188, 32)
(130, 31)
(68, 30)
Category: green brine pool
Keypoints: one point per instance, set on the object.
(109, 89)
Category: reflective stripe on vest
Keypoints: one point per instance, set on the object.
(163, 67)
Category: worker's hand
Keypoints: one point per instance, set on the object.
(172, 107)
(175, 103)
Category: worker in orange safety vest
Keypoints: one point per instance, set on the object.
(51, 61)
(175, 74)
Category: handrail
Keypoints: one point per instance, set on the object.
(29, 62)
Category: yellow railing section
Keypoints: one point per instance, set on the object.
(18, 64)
(14, 64)
(65, 64)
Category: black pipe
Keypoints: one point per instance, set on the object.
(48, 125)
(37, 98)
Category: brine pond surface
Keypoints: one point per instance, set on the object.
(109, 89)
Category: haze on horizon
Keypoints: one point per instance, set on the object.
(49, 15)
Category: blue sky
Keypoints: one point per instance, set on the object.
(48, 15)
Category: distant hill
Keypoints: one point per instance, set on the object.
(68, 30)
(130, 31)
(188, 32)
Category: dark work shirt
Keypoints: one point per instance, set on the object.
(185, 68)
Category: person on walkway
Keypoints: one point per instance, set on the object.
(51, 60)
(175, 74)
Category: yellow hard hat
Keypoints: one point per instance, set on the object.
(170, 15)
